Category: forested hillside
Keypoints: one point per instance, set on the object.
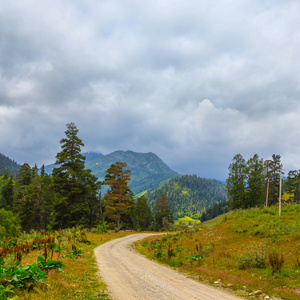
(190, 195)
(8, 166)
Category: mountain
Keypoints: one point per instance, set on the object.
(189, 195)
(8, 165)
(148, 171)
(88, 157)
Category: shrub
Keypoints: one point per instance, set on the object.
(158, 252)
(22, 276)
(75, 253)
(276, 261)
(85, 241)
(50, 264)
(253, 259)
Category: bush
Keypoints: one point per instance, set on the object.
(75, 253)
(49, 265)
(23, 277)
(276, 261)
(254, 259)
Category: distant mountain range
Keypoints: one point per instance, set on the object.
(88, 157)
(188, 194)
(148, 171)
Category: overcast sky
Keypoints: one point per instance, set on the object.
(195, 82)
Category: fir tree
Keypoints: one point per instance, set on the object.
(72, 182)
(143, 213)
(255, 182)
(236, 182)
(162, 212)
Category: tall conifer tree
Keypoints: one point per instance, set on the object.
(236, 183)
(255, 191)
(162, 212)
(72, 182)
(143, 213)
(119, 197)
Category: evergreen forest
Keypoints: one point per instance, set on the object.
(8, 166)
(31, 199)
(71, 196)
(190, 195)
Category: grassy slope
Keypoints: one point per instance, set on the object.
(228, 241)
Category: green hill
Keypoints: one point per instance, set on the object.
(253, 252)
(190, 195)
(148, 171)
(8, 165)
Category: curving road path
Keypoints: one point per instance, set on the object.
(130, 275)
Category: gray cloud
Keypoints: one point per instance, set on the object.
(192, 81)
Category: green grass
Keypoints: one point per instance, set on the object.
(247, 250)
(79, 279)
(217, 220)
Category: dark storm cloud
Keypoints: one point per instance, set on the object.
(193, 81)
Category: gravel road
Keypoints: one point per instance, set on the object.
(130, 275)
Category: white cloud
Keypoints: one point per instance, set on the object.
(138, 75)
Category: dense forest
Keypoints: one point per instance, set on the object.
(8, 166)
(70, 196)
(190, 195)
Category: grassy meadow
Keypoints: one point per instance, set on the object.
(77, 278)
(254, 253)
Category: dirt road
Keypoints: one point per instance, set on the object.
(131, 276)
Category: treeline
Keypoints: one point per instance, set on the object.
(215, 210)
(257, 182)
(8, 166)
(190, 195)
(70, 196)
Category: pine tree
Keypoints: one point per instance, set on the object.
(23, 180)
(273, 175)
(255, 181)
(72, 182)
(293, 184)
(143, 213)
(119, 197)
(162, 212)
(236, 183)
(7, 194)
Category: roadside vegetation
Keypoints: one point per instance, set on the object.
(253, 252)
(53, 265)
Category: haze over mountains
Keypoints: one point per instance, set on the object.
(148, 171)
(188, 194)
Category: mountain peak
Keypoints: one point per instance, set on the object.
(148, 171)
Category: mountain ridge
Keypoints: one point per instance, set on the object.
(148, 171)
